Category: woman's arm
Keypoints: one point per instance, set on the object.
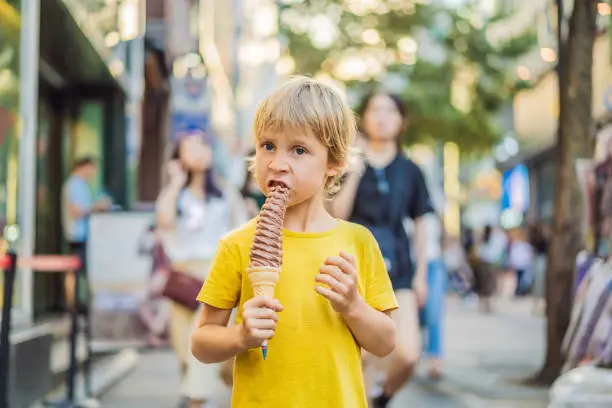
(166, 206)
(342, 204)
(167, 201)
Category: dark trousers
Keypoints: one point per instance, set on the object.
(522, 285)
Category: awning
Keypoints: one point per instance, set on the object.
(66, 50)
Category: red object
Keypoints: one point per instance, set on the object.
(45, 263)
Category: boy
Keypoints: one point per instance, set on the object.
(334, 294)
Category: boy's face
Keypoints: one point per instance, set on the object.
(296, 159)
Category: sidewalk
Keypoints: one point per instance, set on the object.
(153, 383)
(485, 358)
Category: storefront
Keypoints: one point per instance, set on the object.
(536, 118)
(69, 71)
(11, 149)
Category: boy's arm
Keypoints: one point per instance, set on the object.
(374, 330)
(213, 341)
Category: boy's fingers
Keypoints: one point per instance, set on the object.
(341, 263)
(260, 324)
(262, 334)
(338, 274)
(261, 313)
(329, 294)
(264, 301)
(349, 257)
(333, 283)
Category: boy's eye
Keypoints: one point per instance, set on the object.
(300, 151)
(268, 146)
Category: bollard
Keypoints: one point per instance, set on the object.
(5, 329)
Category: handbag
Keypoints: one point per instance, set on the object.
(183, 289)
(180, 287)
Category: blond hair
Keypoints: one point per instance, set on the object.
(305, 104)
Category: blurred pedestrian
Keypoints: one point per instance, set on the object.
(436, 290)
(520, 261)
(78, 203)
(382, 188)
(487, 255)
(194, 210)
(539, 240)
(154, 308)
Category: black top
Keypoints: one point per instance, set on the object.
(373, 203)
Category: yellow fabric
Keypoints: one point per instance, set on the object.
(313, 359)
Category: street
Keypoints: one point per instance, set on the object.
(485, 358)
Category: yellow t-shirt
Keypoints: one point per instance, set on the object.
(313, 359)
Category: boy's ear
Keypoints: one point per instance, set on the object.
(335, 169)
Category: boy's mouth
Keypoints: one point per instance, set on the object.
(277, 183)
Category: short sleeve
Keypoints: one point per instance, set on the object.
(378, 290)
(79, 195)
(419, 202)
(221, 288)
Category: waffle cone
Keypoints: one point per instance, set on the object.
(263, 279)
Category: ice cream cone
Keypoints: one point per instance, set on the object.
(263, 279)
(266, 250)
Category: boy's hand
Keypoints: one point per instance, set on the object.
(259, 320)
(340, 275)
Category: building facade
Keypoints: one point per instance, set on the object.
(69, 81)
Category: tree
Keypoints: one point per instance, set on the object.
(387, 36)
(575, 139)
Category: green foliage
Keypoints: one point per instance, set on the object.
(428, 85)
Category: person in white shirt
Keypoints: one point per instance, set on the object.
(520, 259)
(194, 210)
(488, 254)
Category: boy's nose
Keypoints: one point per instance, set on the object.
(279, 163)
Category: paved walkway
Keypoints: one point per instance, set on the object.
(485, 357)
(153, 383)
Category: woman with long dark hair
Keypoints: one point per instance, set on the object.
(251, 193)
(382, 188)
(194, 210)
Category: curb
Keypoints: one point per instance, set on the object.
(105, 373)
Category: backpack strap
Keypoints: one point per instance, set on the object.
(398, 192)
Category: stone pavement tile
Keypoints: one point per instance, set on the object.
(154, 383)
(417, 394)
(488, 355)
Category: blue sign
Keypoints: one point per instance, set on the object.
(515, 189)
(189, 123)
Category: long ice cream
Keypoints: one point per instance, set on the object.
(267, 247)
